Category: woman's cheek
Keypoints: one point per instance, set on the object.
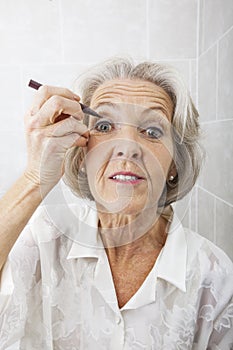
(96, 161)
(157, 162)
(92, 142)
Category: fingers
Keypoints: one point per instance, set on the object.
(67, 127)
(42, 120)
(73, 140)
(45, 92)
(52, 108)
(47, 138)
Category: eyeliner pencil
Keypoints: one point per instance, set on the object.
(87, 110)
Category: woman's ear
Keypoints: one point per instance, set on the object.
(172, 170)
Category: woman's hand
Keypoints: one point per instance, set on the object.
(48, 139)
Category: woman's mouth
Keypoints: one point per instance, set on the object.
(126, 178)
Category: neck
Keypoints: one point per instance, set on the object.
(127, 236)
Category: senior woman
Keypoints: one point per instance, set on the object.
(116, 269)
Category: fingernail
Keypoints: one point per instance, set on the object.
(76, 98)
(86, 134)
(32, 111)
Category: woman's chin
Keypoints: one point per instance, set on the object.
(123, 206)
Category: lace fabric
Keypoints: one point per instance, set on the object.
(49, 301)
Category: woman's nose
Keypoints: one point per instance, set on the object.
(128, 147)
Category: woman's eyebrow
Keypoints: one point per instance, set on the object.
(154, 115)
(106, 106)
(155, 111)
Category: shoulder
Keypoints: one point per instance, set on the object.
(202, 247)
(50, 221)
(210, 272)
(208, 263)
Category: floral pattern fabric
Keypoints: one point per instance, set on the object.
(57, 291)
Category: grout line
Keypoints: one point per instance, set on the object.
(204, 24)
(198, 29)
(183, 59)
(197, 53)
(215, 216)
(190, 212)
(216, 121)
(224, 34)
(214, 195)
(216, 41)
(209, 48)
(217, 70)
(147, 31)
(197, 83)
(196, 209)
(190, 76)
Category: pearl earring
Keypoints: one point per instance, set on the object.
(83, 170)
(171, 177)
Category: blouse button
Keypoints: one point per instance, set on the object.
(118, 320)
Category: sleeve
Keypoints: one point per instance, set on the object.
(214, 324)
(20, 277)
(6, 285)
(222, 334)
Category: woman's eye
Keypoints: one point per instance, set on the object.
(153, 132)
(103, 126)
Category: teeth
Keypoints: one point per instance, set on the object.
(125, 177)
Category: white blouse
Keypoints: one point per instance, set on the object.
(57, 290)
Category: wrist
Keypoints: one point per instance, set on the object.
(34, 185)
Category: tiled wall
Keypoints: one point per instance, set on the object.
(53, 41)
(215, 102)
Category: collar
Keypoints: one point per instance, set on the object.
(171, 263)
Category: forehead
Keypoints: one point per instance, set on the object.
(137, 92)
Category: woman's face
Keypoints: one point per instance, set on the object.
(129, 152)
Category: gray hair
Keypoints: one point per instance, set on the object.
(188, 153)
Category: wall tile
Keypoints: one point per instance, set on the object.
(206, 214)
(201, 23)
(187, 69)
(184, 209)
(193, 81)
(30, 31)
(216, 175)
(216, 16)
(181, 209)
(207, 85)
(11, 117)
(225, 77)
(193, 209)
(224, 220)
(95, 30)
(172, 29)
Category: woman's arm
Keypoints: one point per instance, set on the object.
(16, 208)
(47, 142)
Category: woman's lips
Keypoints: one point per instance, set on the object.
(126, 177)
